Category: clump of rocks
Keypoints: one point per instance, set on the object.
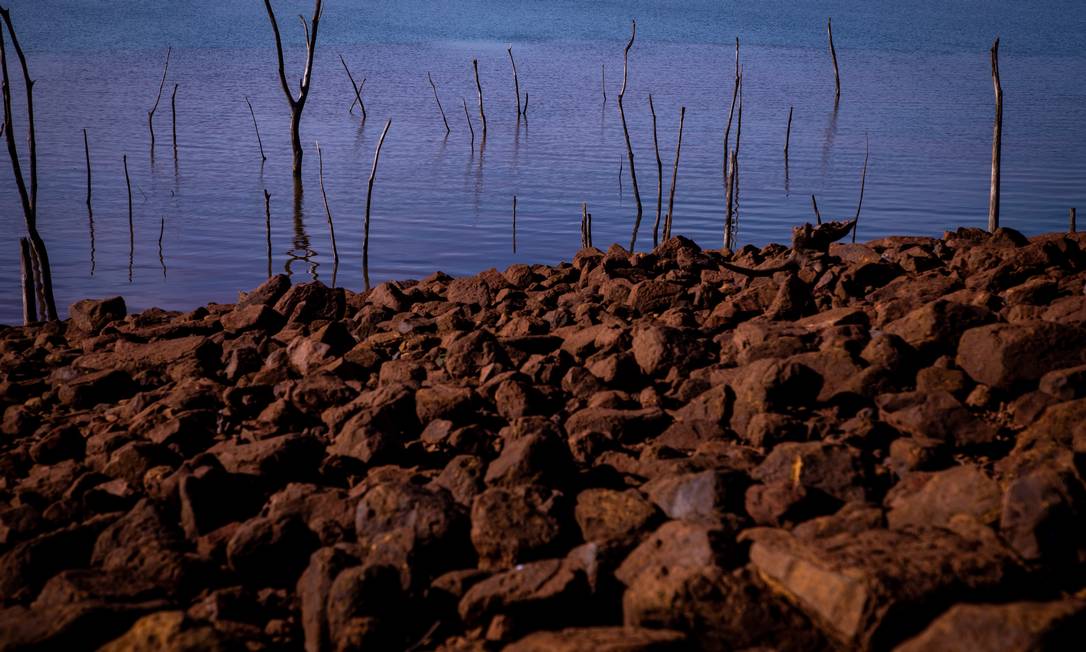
(883, 448)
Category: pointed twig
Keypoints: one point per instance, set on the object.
(131, 225)
(257, 128)
(90, 208)
(863, 181)
(836, 72)
(369, 202)
(659, 176)
(479, 88)
(814, 205)
(158, 98)
(467, 116)
(173, 113)
(267, 228)
(439, 107)
(674, 177)
(788, 135)
(516, 82)
(327, 208)
(626, 133)
(997, 142)
(357, 90)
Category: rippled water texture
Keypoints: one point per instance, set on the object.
(915, 80)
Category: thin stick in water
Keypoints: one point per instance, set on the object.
(158, 98)
(161, 258)
(131, 226)
(814, 205)
(674, 177)
(731, 115)
(1073, 220)
(369, 202)
(836, 72)
(788, 135)
(997, 142)
(267, 228)
(479, 88)
(626, 133)
(257, 128)
(659, 177)
(514, 224)
(173, 113)
(327, 209)
(467, 116)
(90, 208)
(516, 82)
(603, 81)
(863, 181)
(729, 203)
(439, 107)
(357, 90)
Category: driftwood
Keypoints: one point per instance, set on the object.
(257, 128)
(659, 177)
(173, 114)
(626, 132)
(357, 89)
(997, 142)
(28, 189)
(267, 228)
(328, 213)
(836, 72)
(467, 116)
(26, 269)
(674, 177)
(297, 104)
(516, 81)
(479, 88)
(439, 107)
(809, 243)
(158, 98)
(369, 202)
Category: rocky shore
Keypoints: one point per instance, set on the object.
(883, 448)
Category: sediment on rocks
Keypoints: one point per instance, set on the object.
(882, 449)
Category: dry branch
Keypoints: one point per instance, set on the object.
(674, 177)
(516, 81)
(659, 177)
(997, 142)
(28, 193)
(257, 128)
(161, 257)
(173, 113)
(328, 210)
(357, 89)
(814, 205)
(479, 88)
(788, 135)
(467, 116)
(863, 181)
(626, 132)
(603, 81)
(267, 228)
(90, 208)
(158, 98)
(439, 107)
(131, 225)
(369, 202)
(297, 105)
(836, 72)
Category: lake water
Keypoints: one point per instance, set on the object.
(915, 83)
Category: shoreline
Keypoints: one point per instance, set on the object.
(878, 446)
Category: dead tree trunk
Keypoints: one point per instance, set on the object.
(836, 72)
(626, 133)
(357, 90)
(158, 98)
(28, 192)
(516, 81)
(479, 88)
(297, 104)
(674, 177)
(659, 177)
(369, 203)
(439, 107)
(997, 142)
